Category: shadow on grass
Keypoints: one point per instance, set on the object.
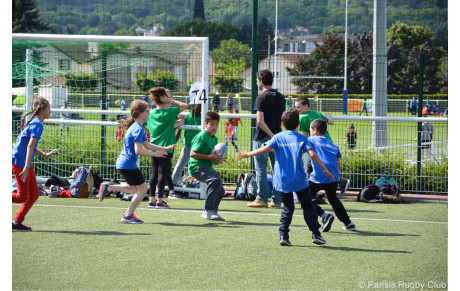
(91, 232)
(372, 233)
(208, 225)
(347, 249)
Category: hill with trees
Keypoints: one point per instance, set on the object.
(122, 17)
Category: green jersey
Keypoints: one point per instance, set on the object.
(202, 143)
(307, 118)
(189, 134)
(161, 126)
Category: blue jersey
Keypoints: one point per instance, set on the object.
(123, 104)
(128, 158)
(289, 173)
(328, 153)
(33, 129)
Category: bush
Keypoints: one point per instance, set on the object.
(82, 81)
(159, 79)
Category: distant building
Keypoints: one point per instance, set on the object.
(156, 30)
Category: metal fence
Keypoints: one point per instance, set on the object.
(417, 166)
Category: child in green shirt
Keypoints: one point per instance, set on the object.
(200, 165)
(161, 123)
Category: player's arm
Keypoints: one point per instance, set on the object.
(317, 160)
(199, 156)
(339, 164)
(263, 126)
(331, 120)
(152, 147)
(259, 151)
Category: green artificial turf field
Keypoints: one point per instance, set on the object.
(81, 244)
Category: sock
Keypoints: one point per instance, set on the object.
(324, 214)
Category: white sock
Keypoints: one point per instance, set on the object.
(324, 214)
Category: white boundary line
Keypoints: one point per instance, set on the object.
(239, 213)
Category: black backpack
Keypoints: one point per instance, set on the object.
(246, 187)
(388, 193)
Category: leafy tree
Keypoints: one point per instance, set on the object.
(215, 31)
(264, 30)
(325, 60)
(409, 36)
(231, 58)
(26, 17)
(402, 70)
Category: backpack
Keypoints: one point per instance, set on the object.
(246, 187)
(82, 183)
(390, 193)
(380, 194)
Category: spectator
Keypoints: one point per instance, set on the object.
(269, 107)
(65, 116)
(230, 102)
(289, 102)
(216, 102)
(351, 136)
(414, 105)
(364, 107)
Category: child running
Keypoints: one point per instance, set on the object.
(230, 129)
(330, 155)
(134, 144)
(289, 175)
(200, 165)
(24, 150)
(162, 133)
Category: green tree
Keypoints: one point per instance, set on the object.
(26, 17)
(231, 58)
(409, 36)
(198, 27)
(325, 60)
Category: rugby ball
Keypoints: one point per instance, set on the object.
(220, 149)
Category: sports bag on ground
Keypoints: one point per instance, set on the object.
(246, 187)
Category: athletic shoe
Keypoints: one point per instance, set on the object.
(327, 222)
(343, 186)
(285, 242)
(137, 219)
(211, 215)
(273, 205)
(318, 239)
(20, 227)
(351, 226)
(130, 219)
(162, 205)
(176, 195)
(103, 191)
(216, 216)
(152, 205)
(257, 203)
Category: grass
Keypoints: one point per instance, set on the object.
(84, 246)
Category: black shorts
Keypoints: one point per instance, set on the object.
(133, 177)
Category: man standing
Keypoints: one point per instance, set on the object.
(216, 102)
(269, 107)
(65, 116)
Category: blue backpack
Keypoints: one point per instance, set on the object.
(79, 186)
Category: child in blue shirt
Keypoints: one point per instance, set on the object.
(134, 144)
(24, 150)
(330, 156)
(289, 175)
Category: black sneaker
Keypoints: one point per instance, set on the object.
(176, 195)
(343, 185)
(285, 242)
(327, 222)
(20, 227)
(318, 239)
(351, 227)
(152, 205)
